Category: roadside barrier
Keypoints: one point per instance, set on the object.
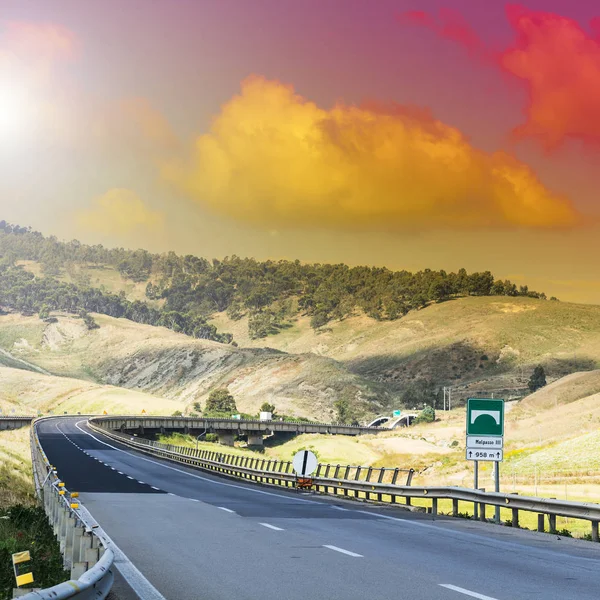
(364, 483)
(87, 556)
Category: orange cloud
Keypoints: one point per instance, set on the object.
(120, 212)
(278, 160)
(553, 56)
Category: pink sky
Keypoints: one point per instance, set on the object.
(185, 60)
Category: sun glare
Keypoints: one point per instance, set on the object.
(14, 107)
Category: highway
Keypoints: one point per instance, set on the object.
(184, 534)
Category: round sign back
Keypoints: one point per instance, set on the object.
(304, 463)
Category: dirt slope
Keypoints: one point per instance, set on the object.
(164, 363)
(475, 345)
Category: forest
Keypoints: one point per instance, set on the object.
(271, 293)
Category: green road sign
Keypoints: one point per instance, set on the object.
(485, 416)
(396, 413)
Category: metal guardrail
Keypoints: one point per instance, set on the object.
(254, 467)
(273, 472)
(88, 557)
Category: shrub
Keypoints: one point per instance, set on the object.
(211, 437)
(564, 533)
(427, 415)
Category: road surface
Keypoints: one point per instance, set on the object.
(183, 534)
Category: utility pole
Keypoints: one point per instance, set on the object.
(447, 398)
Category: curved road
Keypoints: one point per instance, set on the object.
(187, 535)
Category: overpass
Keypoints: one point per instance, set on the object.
(179, 532)
(14, 422)
(226, 429)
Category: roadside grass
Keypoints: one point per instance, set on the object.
(23, 524)
(27, 528)
(16, 486)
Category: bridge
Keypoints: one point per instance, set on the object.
(14, 422)
(226, 429)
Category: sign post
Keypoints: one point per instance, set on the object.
(485, 438)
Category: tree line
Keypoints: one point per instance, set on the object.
(23, 292)
(271, 293)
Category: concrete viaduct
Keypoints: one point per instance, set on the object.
(226, 429)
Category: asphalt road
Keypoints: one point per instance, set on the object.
(185, 535)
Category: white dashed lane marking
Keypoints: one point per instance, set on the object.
(460, 590)
(342, 551)
(271, 527)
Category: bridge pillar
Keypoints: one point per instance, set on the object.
(225, 438)
(255, 440)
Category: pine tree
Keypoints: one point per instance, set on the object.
(537, 379)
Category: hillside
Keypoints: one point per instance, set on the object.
(476, 345)
(27, 393)
(182, 369)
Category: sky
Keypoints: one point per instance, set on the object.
(409, 134)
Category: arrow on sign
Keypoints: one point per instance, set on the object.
(470, 454)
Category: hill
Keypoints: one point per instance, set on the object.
(27, 393)
(475, 345)
(177, 367)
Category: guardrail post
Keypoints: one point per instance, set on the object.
(540, 526)
(411, 472)
(454, 507)
(515, 517)
(482, 507)
(595, 537)
(434, 506)
(369, 472)
(78, 531)
(336, 472)
(62, 532)
(395, 476)
(381, 475)
(552, 523)
(68, 544)
(89, 554)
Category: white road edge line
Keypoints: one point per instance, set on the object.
(343, 551)
(233, 485)
(226, 509)
(466, 592)
(271, 527)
